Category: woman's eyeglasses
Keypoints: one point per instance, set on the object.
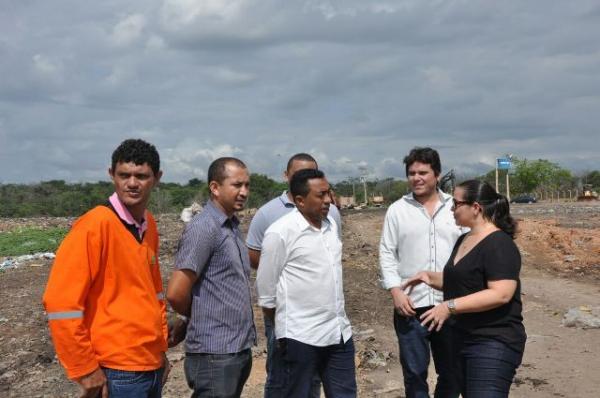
(457, 203)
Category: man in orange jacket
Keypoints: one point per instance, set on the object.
(104, 298)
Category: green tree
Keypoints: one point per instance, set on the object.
(593, 178)
(262, 189)
(541, 173)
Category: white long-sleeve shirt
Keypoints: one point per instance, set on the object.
(300, 275)
(413, 241)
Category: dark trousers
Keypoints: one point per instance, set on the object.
(489, 367)
(217, 375)
(134, 384)
(416, 345)
(334, 364)
(274, 384)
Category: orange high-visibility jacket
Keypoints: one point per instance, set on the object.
(104, 297)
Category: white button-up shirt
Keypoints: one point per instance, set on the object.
(300, 275)
(413, 241)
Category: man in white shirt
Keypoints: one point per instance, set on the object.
(264, 217)
(419, 233)
(300, 276)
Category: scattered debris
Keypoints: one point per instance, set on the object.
(373, 359)
(10, 262)
(582, 317)
(189, 212)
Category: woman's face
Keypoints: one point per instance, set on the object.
(464, 211)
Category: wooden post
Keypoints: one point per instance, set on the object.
(496, 175)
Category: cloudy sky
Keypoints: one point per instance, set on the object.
(356, 83)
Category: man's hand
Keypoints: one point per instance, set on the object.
(402, 303)
(269, 313)
(93, 385)
(421, 277)
(177, 331)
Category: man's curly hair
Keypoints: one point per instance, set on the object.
(136, 151)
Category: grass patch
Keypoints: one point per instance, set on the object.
(31, 240)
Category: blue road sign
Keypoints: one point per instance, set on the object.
(504, 163)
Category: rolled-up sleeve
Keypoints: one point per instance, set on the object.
(272, 261)
(389, 260)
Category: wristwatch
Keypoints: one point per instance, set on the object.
(451, 306)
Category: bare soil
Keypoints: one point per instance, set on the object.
(560, 244)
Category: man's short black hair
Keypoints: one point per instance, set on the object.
(299, 182)
(216, 170)
(424, 155)
(305, 157)
(136, 151)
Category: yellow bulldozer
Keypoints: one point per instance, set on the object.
(588, 194)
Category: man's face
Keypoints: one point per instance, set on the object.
(134, 183)
(232, 193)
(315, 205)
(298, 165)
(422, 179)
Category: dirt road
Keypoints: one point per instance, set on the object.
(561, 265)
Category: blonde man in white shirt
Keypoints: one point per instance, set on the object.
(419, 233)
(300, 278)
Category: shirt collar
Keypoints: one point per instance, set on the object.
(221, 217)
(444, 197)
(286, 200)
(304, 224)
(125, 215)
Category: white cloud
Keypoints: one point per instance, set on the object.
(191, 158)
(227, 75)
(46, 69)
(438, 78)
(179, 13)
(119, 74)
(128, 30)
(155, 42)
(345, 80)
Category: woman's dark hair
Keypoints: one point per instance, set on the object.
(494, 206)
(424, 155)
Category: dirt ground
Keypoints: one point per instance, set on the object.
(560, 244)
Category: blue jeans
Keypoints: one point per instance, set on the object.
(416, 344)
(334, 364)
(274, 384)
(134, 384)
(489, 367)
(217, 375)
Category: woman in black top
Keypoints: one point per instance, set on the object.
(482, 292)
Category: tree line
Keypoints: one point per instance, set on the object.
(59, 198)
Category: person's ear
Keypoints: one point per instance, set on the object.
(299, 200)
(158, 176)
(213, 187)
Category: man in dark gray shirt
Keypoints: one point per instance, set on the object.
(210, 285)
